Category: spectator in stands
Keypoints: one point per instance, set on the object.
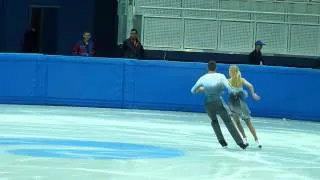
(85, 47)
(255, 57)
(132, 47)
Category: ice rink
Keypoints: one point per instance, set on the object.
(68, 143)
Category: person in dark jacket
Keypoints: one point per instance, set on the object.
(85, 47)
(132, 47)
(255, 57)
(31, 41)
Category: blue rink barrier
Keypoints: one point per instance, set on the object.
(159, 85)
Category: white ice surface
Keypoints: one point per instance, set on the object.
(291, 149)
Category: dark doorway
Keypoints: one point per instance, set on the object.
(106, 28)
(44, 29)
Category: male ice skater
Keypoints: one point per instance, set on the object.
(213, 84)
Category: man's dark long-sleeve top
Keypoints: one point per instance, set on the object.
(255, 57)
(133, 49)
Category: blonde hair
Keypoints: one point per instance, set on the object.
(236, 79)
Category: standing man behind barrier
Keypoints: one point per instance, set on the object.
(255, 57)
(85, 47)
(132, 47)
(31, 41)
(213, 84)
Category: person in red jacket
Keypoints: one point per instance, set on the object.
(85, 47)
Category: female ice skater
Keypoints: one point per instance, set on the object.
(213, 84)
(237, 103)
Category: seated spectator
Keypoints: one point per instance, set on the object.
(85, 47)
(132, 47)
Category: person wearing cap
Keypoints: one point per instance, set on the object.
(255, 57)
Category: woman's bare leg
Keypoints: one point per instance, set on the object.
(253, 131)
(240, 127)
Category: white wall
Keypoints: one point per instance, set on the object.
(230, 25)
